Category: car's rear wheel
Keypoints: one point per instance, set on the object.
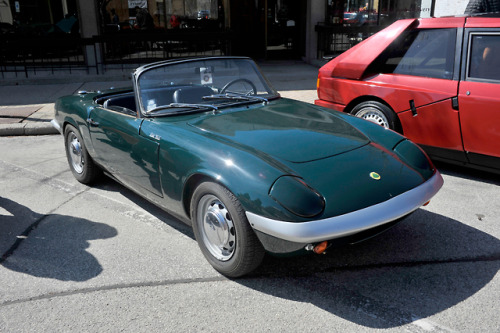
(377, 113)
(81, 164)
(223, 232)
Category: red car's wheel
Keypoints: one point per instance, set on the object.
(377, 113)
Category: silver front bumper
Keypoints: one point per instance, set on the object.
(350, 223)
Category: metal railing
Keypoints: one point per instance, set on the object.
(137, 47)
(335, 39)
(30, 56)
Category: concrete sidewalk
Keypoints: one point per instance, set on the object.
(33, 119)
(27, 109)
(27, 106)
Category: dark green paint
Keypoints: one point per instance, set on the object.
(247, 149)
(131, 157)
(286, 132)
(297, 197)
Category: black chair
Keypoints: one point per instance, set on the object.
(192, 95)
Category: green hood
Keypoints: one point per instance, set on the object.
(288, 130)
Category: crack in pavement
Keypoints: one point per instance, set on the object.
(489, 258)
(252, 277)
(113, 287)
(345, 297)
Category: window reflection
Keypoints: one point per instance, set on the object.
(375, 12)
(165, 14)
(349, 22)
(426, 52)
(484, 57)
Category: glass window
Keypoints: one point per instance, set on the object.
(428, 53)
(211, 81)
(374, 12)
(484, 57)
(31, 18)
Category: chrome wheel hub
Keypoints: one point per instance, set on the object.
(374, 115)
(217, 228)
(75, 153)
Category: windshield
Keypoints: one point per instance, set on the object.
(201, 84)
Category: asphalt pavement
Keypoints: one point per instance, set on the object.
(102, 259)
(75, 258)
(27, 104)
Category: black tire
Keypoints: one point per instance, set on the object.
(223, 232)
(377, 113)
(81, 164)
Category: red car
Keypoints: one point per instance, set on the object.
(436, 80)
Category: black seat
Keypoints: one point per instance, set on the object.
(124, 101)
(191, 95)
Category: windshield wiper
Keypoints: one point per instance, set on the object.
(234, 96)
(182, 106)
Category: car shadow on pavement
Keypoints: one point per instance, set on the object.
(426, 264)
(467, 173)
(423, 266)
(49, 246)
(109, 184)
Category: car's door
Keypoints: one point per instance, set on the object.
(131, 158)
(423, 70)
(479, 97)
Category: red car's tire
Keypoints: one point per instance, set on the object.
(377, 113)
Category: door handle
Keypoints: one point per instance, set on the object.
(91, 122)
(413, 108)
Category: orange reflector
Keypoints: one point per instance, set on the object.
(425, 204)
(321, 247)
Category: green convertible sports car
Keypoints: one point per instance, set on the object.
(211, 142)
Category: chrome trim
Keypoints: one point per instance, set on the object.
(56, 125)
(350, 223)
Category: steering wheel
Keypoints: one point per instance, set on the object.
(254, 88)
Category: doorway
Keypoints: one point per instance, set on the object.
(284, 36)
(268, 29)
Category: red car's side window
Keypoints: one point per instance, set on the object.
(484, 57)
(424, 52)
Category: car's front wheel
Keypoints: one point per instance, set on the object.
(81, 164)
(223, 232)
(377, 113)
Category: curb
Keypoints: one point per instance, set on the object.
(40, 128)
(38, 123)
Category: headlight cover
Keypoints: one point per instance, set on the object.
(415, 157)
(297, 197)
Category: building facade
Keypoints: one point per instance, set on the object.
(94, 33)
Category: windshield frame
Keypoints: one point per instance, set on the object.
(139, 72)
